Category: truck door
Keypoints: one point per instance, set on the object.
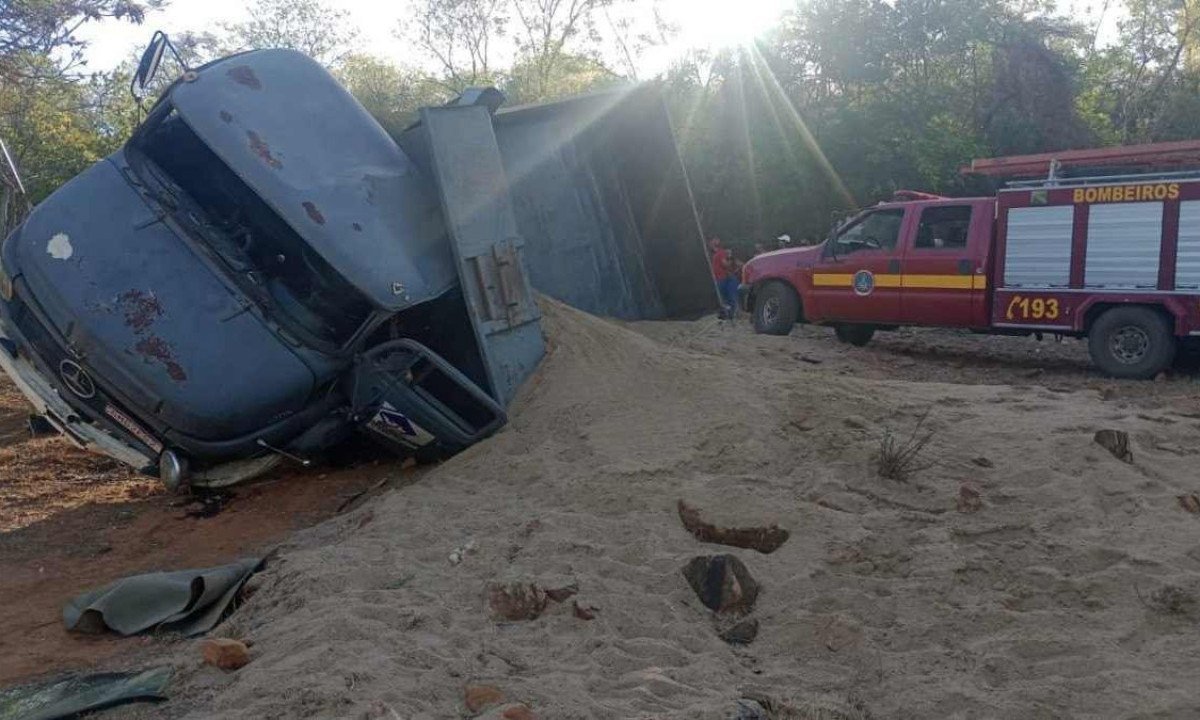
(944, 275)
(857, 278)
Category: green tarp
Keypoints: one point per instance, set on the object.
(67, 697)
(190, 602)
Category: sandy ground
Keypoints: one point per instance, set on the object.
(1070, 591)
(70, 521)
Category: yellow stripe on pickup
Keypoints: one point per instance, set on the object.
(833, 280)
(929, 282)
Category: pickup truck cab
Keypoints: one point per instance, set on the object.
(899, 263)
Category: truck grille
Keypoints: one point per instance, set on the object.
(52, 358)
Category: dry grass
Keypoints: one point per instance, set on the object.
(899, 459)
(45, 476)
(1172, 600)
(812, 708)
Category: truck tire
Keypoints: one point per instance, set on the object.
(776, 309)
(856, 335)
(1133, 343)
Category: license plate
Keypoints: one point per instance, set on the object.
(134, 429)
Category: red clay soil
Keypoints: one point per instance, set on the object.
(71, 521)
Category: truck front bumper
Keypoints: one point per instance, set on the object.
(47, 403)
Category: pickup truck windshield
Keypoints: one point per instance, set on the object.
(257, 246)
(877, 231)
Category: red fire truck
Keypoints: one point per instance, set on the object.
(1113, 258)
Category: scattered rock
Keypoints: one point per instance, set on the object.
(1171, 448)
(562, 594)
(802, 425)
(585, 612)
(982, 462)
(855, 422)
(1172, 600)
(722, 583)
(1116, 442)
(481, 697)
(517, 712)
(969, 498)
(460, 553)
(1191, 503)
(742, 633)
(516, 601)
(750, 710)
(225, 653)
(1161, 377)
(766, 540)
(1036, 372)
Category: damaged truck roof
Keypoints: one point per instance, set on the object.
(351, 193)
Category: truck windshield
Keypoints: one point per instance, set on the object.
(261, 250)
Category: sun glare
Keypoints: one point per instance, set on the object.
(718, 24)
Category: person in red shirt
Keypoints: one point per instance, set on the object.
(725, 275)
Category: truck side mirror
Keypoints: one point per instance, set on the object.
(147, 67)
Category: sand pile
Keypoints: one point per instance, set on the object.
(1043, 598)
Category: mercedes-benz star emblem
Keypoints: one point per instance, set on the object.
(77, 379)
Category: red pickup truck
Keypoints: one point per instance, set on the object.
(1114, 259)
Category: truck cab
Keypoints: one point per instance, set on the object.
(918, 261)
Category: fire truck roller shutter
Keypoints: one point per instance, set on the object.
(1038, 246)
(1187, 258)
(1124, 241)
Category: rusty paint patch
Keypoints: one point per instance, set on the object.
(153, 348)
(244, 75)
(260, 148)
(314, 214)
(226, 116)
(140, 309)
(357, 227)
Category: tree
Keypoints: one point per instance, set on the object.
(547, 28)
(33, 29)
(313, 27)
(461, 36)
(571, 75)
(390, 93)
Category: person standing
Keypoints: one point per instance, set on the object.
(724, 274)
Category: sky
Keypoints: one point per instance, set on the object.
(703, 24)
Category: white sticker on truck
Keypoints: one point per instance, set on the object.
(59, 247)
(395, 425)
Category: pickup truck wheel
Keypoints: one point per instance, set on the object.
(1133, 343)
(775, 309)
(856, 335)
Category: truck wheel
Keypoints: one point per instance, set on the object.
(775, 309)
(856, 335)
(1133, 343)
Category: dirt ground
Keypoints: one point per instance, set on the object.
(934, 355)
(1022, 571)
(70, 521)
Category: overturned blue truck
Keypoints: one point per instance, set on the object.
(261, 270)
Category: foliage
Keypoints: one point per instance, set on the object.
(313, 27)
(33, 29)
(842, 104)
(459, 35)
(390, 93)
